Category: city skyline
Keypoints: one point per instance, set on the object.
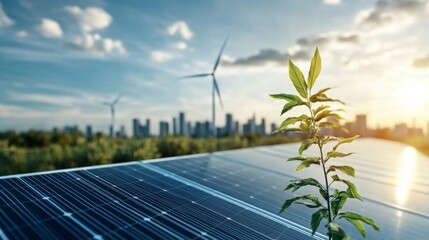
(59, 59)
(179, 126)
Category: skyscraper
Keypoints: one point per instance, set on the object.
(89, 131)
(136, 128)
(361, 124)
(182, 126)
(174, 126)
(163, 129)
(229, 125)
(147, 133)
(262, 127)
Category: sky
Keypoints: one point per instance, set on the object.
(60, 59)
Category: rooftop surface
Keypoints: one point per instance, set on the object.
(224, 195)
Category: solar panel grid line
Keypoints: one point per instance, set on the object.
(204, 217)
(106, 217)
(247, 206)
(25, 215)
(70, 204)
(90, 231)
(134, 211)
(366, 198)
(265, 200)
(173, 208)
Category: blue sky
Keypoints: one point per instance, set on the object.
(60, 59)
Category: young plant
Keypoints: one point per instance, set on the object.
(319, 117)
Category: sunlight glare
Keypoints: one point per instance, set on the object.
(412, 99)
(406, 171)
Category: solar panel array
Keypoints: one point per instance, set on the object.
(225, 195)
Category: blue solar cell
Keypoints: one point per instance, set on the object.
(125, 201)
(253, 176)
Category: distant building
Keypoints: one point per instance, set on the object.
(262, 127)
(229, 128)
(88, 132)
(273, 127)
(236, 128)
(182, 126)
(174, 126)
(189, 131)
(163, 129)
(360, 125)
(147, 132)
(122, 132)
(136, 128)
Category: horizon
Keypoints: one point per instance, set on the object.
(60, 60)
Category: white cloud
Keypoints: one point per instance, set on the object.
(160, 56)
(332, 2)
(90, 18)
(94, 43)
(5, 21)
(180, 45)
(181, 28)
(22, 34)
(49, 28)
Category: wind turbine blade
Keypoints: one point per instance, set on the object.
(117, 99)
(220, 55)
(217, 91)
(196, 75)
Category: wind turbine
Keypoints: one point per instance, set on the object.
(112, 112)
(215, 87)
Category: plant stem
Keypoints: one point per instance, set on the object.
(326, 181)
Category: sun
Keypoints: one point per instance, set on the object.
(412, 99)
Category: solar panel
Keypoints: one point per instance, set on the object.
(257, 176)
(134, 200)
(225, 195)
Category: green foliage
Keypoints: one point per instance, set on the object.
(32, 151)
(320, 116)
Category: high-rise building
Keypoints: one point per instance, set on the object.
(136, 128)
(189, 131)
(207, 128)
(174, 126)
(88, 131)
(182, 126)
(273, 127)
(229, 125)
(163, 129)
(147, 132)
(252, 125)
(262, 130)
(236, 128)
(360, 125)
(122, 132)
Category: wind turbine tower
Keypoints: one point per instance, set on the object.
(215, 87)
(112, 112)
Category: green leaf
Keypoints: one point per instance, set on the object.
(287, 97)
(305, 126)
(336, 232)
(290, 105)
(293, 120)
(289, 202)
(297, 79)
(325, 114)
(319, 109)
(317, 217)
(345, 169)
(338, 202)
(316, 66)
(345, 140)
(299, 158)
(321, 97)
(305, 145)
(335, 154)
(323, 194)
(306, 163)
(297, 184)
(355, 216)
(351, 190)
(359, 226)
(336, 178)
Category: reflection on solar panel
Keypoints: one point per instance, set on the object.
(226, 195)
